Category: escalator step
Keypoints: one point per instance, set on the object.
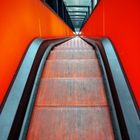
(71, 92)
(72, 68)
(86, 123)
(73, 48)
(72, 54)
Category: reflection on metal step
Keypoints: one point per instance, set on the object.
(69, 92)
(72, 68)
(86, 123)
(72, 54)
(72, 48)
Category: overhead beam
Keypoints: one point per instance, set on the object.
(77, 11)
(80, 6)
(86, 17)
(77, 19)
(77, 6)
(77, 15)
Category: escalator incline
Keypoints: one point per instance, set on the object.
(71, 101)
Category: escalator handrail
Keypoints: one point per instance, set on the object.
(14, 96)
(10, 117)
(112, 111)
(125, 104)
(125, 96)
(29, 111)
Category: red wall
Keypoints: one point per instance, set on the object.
(120, 21)
(20, 22)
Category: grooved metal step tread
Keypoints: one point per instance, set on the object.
(72, 68)
(72, 48)
(72, 54)
(86, 123)
(71, 92)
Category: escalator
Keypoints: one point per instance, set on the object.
(70, 89)
(71, 100)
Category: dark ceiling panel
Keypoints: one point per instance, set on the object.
(79, 11)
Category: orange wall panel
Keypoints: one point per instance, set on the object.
(20, 22)
(120, 21)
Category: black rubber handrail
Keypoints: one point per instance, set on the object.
(15, 106)
(125, 105)
(112, 111)
(27, 118)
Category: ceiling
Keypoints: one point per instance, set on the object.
(79, 11)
